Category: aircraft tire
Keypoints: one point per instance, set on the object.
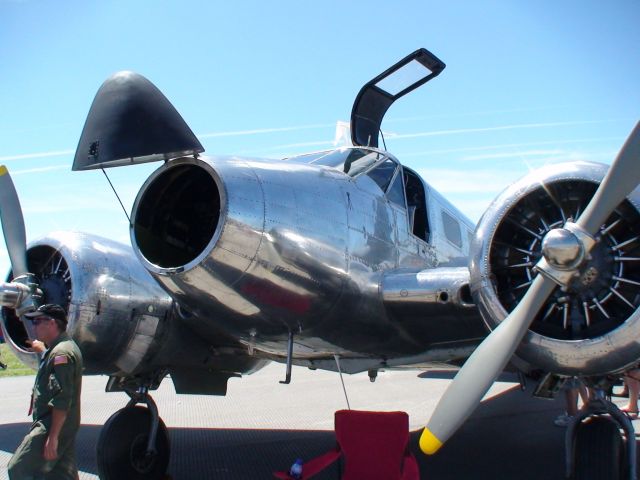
(599, 450)
(120, 451)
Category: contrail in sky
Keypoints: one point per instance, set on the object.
(309, 127)
(57, 153)
(434, 133)
(509, 145)
(261, 130)
(40, 170)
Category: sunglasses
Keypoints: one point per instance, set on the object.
(38, 320)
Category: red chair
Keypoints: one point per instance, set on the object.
(374, 446)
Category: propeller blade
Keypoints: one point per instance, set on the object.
(12, 224)
(621, 179)
(482, 368)
(485, 364)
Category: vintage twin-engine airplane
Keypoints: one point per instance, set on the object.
(340, 260)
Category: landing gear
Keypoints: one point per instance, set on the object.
(134, 443)
(595, 446)
(598, 450)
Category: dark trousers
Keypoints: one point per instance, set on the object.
(28, 461)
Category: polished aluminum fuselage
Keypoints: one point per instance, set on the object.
(306, 249)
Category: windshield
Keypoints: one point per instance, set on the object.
(351, 161)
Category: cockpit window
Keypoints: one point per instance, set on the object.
(395, 193)
(358, 163)
(351, 161)
(383, 173)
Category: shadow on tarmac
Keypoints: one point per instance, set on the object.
(510, 436)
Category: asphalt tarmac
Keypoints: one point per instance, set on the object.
(262, 426)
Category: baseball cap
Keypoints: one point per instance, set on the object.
(49, 310)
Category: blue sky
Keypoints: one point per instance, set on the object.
(526, 84)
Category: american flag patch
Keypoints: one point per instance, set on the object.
(60, 360)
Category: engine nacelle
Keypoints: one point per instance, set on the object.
(117, 314)
(593, 327)
(222, 237)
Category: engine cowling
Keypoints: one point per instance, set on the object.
(593, 326)
(117, 314)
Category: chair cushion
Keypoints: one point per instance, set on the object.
(373, 443)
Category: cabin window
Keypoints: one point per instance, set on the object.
(451, 229)
(416, 205)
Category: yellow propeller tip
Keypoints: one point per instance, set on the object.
(429, 443)
(3, 170)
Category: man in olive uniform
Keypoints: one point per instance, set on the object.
(48, 450)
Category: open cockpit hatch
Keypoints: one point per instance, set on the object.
(377, 95)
